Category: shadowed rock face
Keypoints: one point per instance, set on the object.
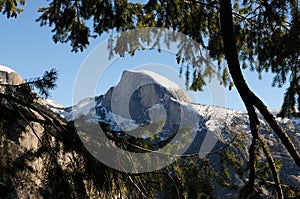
(8, 76)
(137, 93)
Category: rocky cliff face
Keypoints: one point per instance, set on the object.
(144, 97)
(9, 76)
(17, 138)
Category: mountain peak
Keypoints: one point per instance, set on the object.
(9, 76)
(6, 69)
(141, 78)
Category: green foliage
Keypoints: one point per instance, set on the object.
(230, 164)
(291, 99)
(195, 177)
(264, 182)
(11, 7)
(45, 83)
(5, 153)
(24, 91)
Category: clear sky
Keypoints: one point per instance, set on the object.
(29, 50)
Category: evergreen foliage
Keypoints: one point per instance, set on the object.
(11, 7)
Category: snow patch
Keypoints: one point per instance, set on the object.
(52, 104)
(6, 69)
(125, 124)
(84, 107)
(66, 115)
(159, 79)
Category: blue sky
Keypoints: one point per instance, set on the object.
(29, 50)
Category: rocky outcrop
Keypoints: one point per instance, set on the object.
(144, 97)
(9, 76)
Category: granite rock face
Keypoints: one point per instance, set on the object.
(145, 97)
(9, 76)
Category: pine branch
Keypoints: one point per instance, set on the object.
(270, 159)
(277, 128)
(52, 118)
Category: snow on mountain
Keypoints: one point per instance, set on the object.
(9, 76)
(132, 80)
(158, 78)
(147, 103)
(6, 69)
(52, 104)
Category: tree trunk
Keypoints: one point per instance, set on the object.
(248, 97)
